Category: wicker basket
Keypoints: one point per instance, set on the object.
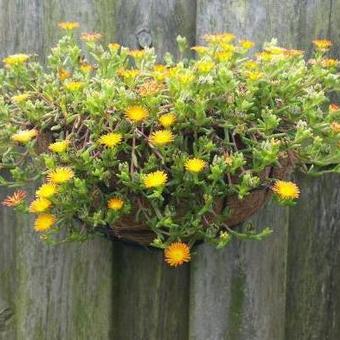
(128, 229)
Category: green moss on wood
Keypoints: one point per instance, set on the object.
(237, 299)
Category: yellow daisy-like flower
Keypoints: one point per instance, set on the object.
(129, 74)
(223, 56)
(167, 119)
(46, 190)
(44, 222)
(91, 36)
(254, 75)
(68, 25)
(20, 98)
(115, 203)
(264, 56)
(160, 68)
(111, 139)
(195, 165)
(24, 136)
(251, 64)
(39, 205)
(61, 175)
(155, 179)
(247, 44)
(113, 47)
(323, 44)
(286, 190)
(200, 49)
(15, 59)
(161, 137)
(161, 72)
(278, 51)
(177, 253)
(185, 78)
(137, 54)
(59, 147)
(136, 113)
(219, 38)
(74, 86)
(205, 66)
(86, 68)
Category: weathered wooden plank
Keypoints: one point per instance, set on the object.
(20, 26)
(7, 272)
(93, 16)
(157, 23)
(153, 298)
(295, 24)
(313, 309)
(239, 292)
(63, 292)
(291, 22)
(59, 292)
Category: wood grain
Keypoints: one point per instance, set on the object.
(282, 288)
(295, 24)
(239, 292)
(156, 23)
(64, 292)
(153, 298)
(313, 309)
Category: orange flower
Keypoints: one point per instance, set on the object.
(90, 37)
(329, 62)
(63, 74)
(149, 88)
(293, 53)
(334, 107)
(15, 199)
(177, 253)
(323, 44)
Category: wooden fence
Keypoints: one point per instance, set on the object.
(284, 288)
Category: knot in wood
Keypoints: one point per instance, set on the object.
(144, 38)
(5, 315)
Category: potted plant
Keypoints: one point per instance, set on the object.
(163, 154)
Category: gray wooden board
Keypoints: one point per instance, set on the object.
(64, 292)
(313, 290)
(239, 292)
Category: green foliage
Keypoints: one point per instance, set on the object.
(233, 115)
